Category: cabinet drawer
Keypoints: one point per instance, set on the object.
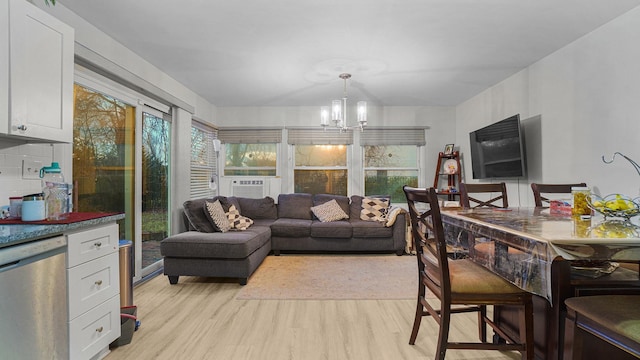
(92, 283)
(91, 244)
(94, 330)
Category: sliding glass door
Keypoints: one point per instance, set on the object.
(156, 153)
(121, 164)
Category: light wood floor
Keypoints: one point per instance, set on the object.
(199, 318)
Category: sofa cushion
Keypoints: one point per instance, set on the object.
(370, 229)
(334, 229)
(229, 245)
(195, 212)
(329, 212)
(343, 201)
(264, 208)
(295, 206)
(374, 209)
(286, 227)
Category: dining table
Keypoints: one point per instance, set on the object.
(552, 255)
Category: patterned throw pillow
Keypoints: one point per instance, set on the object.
(217, 216)
(392, 215)
(329, 211)
(374, 209)
(237, 221)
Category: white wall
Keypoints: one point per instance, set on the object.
(587, 97)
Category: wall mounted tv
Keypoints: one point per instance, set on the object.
(497, 150)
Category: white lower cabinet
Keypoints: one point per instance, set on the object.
(92, 332)
(94, 290)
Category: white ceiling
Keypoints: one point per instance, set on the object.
(290, 52)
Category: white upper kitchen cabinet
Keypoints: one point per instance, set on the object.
(36, 80)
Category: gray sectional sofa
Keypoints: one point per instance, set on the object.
(288, 226)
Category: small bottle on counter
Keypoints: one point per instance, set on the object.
(580, 205)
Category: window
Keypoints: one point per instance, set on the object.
(250, 152)
(203, 161)
(391, 160)
(320, 161)
(388, 168)
(250, 159)
(321, 169)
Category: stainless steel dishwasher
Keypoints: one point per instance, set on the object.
(33, 300)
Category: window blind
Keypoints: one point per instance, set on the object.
(203, 160)
(299, 136)
(393, 136)
(250, 136)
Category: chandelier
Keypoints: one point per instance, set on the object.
(339, 111)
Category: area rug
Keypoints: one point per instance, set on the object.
(333, 277)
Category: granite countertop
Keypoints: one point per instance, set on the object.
(13, 234)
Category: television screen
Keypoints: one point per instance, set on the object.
(497, 150)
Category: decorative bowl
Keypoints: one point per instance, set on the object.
(615, 205)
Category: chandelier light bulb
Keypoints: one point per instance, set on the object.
(324, 116)
(336, 111)
(362, 112)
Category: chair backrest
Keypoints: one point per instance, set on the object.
(469, 200)
(428, 240)
(539, 189)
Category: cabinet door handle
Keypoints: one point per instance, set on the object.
(22, 127)
(99, 282)
(98, 244)
(99, 329)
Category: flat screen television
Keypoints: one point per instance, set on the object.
(497, 150)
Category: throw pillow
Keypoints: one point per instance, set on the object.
(374, 209)
(329, 211)
(392, 215)
(217, 216)
(237, 221)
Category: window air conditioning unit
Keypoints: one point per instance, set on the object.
(255, 189)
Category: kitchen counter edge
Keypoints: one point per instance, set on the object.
(17, 234)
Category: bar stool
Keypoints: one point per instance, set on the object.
(615, 319)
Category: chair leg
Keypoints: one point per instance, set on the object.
(443, 334)
(482, 325)
(526, 330)
(416, 321)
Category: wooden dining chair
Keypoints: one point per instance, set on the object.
(459, 285)
(539, 191)
(497, 193)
